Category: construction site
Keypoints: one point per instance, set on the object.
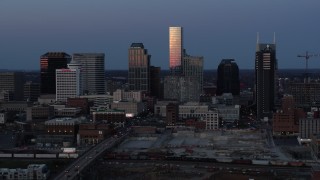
(248, 146)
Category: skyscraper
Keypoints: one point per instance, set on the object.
(139, 68)
(68, 82)
(11, 85)
(49, 62)
(155, 82)
(175, 49)
(265, 70)
(228, 77)
(192, 66)
(92, 72)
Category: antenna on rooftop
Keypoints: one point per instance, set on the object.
(274, 37)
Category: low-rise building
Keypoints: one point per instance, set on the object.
(131, 108)
(99, 99)
(308, 126)
(82, 103)
(115, 117)
(160, 107)
(122, 95)
(229, 113)
(93, 133)
(67, 112)
(16, 106)
(3, 118)
(33, 171)
(62, 126)
(40, 112)
(198, 124)
(201, 112)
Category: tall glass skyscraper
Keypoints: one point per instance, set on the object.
(49, 62)
(139, 68)
(175, 49)
(92, 72)
(228, 77)
(265, 73)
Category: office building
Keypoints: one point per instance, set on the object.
(265, 70)
(228, 77)
(139, 68)
(132, 96)
(192, 66)
(155, 82)
(11, 85)
(308, 126)
(68, 82)
(175, 49)
(201, 112)
(31, 91)
(92, 72)
(182, 88)
(172, 114)
(305, 94)
(49, 63)
(131, 108)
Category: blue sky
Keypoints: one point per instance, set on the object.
(214, 29)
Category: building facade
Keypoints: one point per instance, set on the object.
(172, 114)
(305, 94)
(11, 83)
(139, 68)
(155, 82)
(3, 117)
(192, 66)
(67, 84)
(133, 96)
(175, 49)
(92, 72)
(115, 117)
(265, 74)
(308, 126)
(182, 88)
(49, 62)
(31, 91)
(228, 77)
(131, 108)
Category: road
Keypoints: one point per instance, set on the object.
(72, 170)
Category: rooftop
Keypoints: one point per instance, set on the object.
(137, 45)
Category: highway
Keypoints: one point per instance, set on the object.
(72, 170)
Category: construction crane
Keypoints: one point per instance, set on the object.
(306, 57)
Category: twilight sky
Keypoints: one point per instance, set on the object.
(214, 29)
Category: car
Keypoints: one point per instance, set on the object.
(66, 171)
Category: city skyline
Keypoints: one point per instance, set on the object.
(214, 30)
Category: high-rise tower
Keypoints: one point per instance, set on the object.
(265, 73)
(92, 72)
(192, 66)
(228, 77)
(49, 62)
(68, 82)
(139, 68)
(175, 49)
